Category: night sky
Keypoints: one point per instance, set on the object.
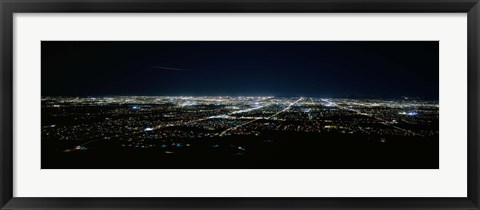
(254, 68)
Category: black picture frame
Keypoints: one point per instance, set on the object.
(9, 7)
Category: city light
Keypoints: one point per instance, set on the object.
(170, 123)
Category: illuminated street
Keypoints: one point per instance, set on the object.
(176, 125)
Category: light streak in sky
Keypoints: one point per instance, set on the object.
(168, 68)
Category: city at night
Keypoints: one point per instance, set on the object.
(240, 105)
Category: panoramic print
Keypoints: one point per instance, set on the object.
(240, 105)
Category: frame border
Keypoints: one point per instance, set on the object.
(9, 7)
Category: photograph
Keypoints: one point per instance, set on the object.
(296, 104)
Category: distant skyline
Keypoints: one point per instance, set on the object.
(241, 68)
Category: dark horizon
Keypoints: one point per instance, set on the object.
(277, 96)
(330, 69)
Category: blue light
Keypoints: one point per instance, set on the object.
(412, 113)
